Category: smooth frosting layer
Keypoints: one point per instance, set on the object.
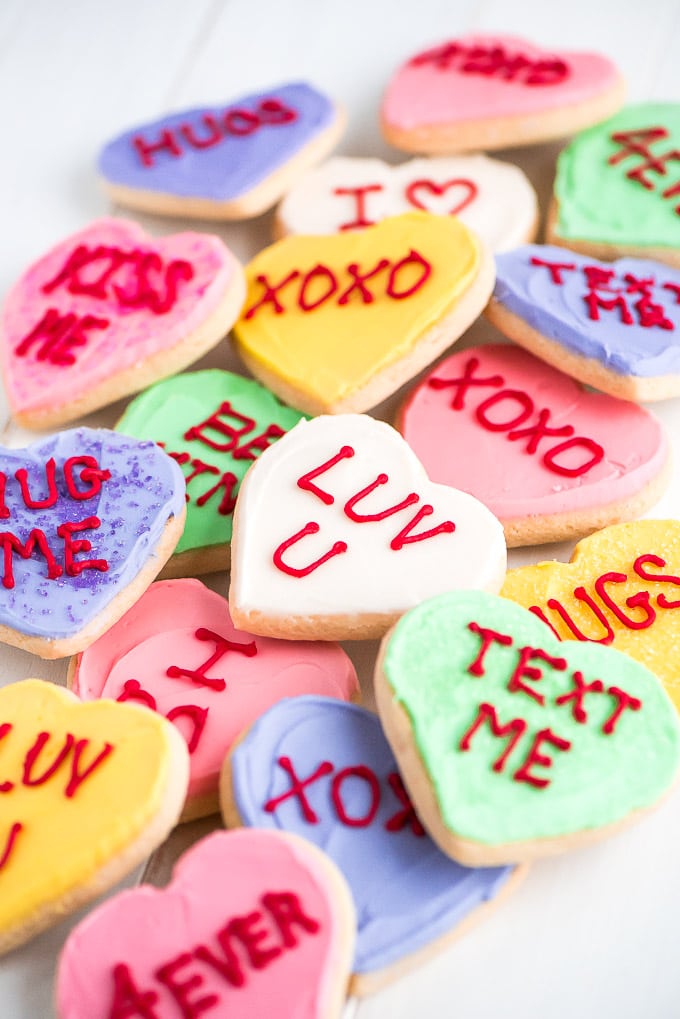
(606, 189)
(101, 502)
(374, 547)
(407, 893)
(326, 334)
(177, 650)
(214, 423)
(102, 301)
(620, 589)
(219, 152)
(590, 734)
(82, 782)
(241, 884)
(525, 439)
(625, 314)
(492, 198)
(480, 77)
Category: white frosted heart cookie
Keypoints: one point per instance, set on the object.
(492, 198)
(338, 531)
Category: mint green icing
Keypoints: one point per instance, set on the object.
(599, 203)
(599, 780)
(167, 410)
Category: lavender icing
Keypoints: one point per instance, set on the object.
(560, 312)
(232, 166)
(145, 489)
(407, 893)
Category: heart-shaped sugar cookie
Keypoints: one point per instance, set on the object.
(224, 162)
(107, 312)
(492, 198)
(254, 923)
(619, 589)
(514, 744)
(334, 324)
(618, 185)
(88, 790)
(565, 460)
(358, 534)
(615, 326)
(323, 769)
(493, 91)
(176, 650)
(89, 518)
(214, 424)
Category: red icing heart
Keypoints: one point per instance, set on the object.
(431, 187)
(178, 651)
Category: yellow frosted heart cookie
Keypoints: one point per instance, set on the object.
(88, 790)
(336, 324)
(622, 588)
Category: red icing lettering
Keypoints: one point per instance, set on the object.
(525, 671)
(212, 137)
(287, 913)
(77, 777)
(229, 966)
(414, 258)
(228, 482)
(233, 434)
(623, 701)
(306, 482)
(5, 729)
(132, 691)
(638, 144)
(430, 186)
(406, 817)
(321, 272)
(494, 61)
(514, 730)
(273, 111)
(73, 547)
(554, 268)
(463, 384)
(540, 430)
(182, 991)
(359, 195)
(36, 539)
(405, 537)
(10, 843)
(91, 474)
(251, 934)
(270, 295)
(657, 578)
(366, 775)
(240, 122)
(197, 716)
(489, 637)
(71, 747)
(359, 281)
(297, 789)
(222, 646)
(582, 595)
(594, 448)
(640, 599)
(128, 1001)
(147, 150)
(535, 758)
(525, 402)
(303, 571)
(52, 493)
(361, 518)
(581, 688)
(60, 335)
(4, 511)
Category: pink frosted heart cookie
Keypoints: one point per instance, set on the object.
(495, 91)
(107, 312)
(253, 924)
(178, 652)
(359, 534)
(550, 459)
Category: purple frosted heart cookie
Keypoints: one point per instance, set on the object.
(612, 325)
(89, 517)
(223, 162)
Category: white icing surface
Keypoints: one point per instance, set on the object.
(370, 576)
(502, 211)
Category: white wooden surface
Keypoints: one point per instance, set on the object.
(592, 934)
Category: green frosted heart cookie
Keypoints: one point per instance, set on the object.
(514, 744)
(215, 424)
(618, 185)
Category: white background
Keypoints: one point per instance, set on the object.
(591, 934)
